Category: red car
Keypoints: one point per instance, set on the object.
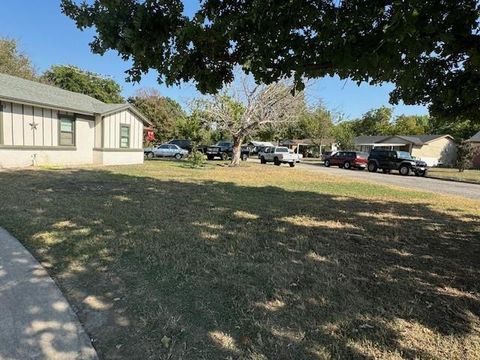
(347, 160)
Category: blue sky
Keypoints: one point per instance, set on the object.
(48, 37)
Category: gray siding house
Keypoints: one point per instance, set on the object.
(45, 125)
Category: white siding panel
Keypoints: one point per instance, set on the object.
(7, 124)
(55, 127)
(27, 128)
(47, 130)
(38, 133)
(17, 124)
(111, 126)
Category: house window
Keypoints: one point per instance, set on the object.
(66, 135)
(124, 136)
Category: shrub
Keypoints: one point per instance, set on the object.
(465, 154)
(196, 158)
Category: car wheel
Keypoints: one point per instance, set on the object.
(276, 161)
(262, 160)
(372, 167)
(347, 165)
(224, 156)
(327, 163)
(404, 170)
(292, 164)
(150, 155)
(244, 157)
(210, 157)
(178, 156)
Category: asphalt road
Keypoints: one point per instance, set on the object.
(470, 191)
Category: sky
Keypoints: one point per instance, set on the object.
(48, 38)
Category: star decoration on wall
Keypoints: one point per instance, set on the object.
(33, 125)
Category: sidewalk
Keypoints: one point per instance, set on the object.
(36, 322)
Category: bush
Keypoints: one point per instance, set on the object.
(196, 159)
(465, 154)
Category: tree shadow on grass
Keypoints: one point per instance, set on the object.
(170, 269)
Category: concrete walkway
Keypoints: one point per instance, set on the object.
(36, 322)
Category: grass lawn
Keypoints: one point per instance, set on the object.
(454, 174)
(257, 262)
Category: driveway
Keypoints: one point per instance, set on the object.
(445, 187)
(36, 322)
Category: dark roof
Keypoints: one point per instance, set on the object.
(414, 139)
(13, 88)
(475, 138)
(368, 139)
(304, 141)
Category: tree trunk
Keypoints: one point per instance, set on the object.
(237, 151)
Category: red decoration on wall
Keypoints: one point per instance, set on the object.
(150, 135)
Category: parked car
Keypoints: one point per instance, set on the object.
(347, 160)
(183, 143)
(261, 149)
(278, 155)
(165, 150)
(388, 160)
(326, 155)
(224, 151)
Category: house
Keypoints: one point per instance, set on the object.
(475, 140)
(43, 124)
(304, 146)
(433, 149)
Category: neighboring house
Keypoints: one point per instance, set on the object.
(475, 140)
(302, 146)
(433, 149)
(43, 124)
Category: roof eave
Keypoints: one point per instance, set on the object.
(128, 107)
(440, 137)
(45, 105)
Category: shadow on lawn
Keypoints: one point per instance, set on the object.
(167, 269)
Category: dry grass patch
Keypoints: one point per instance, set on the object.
(454, 174)
(259, 262)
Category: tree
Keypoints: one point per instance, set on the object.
(460, 129)
(12, 62)
(165, 113)
(242, 113)
(317, 125)
(465, 154)
(411, 125)
(194, 127)
(344, 134)
(85, 82)
(429, 49)
(374, 122)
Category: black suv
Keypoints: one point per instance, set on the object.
(184, 144)
(224, 150)
(389, 160)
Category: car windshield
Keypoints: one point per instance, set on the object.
(282, 149)
(404, 155)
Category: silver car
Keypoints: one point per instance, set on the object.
(165, 150)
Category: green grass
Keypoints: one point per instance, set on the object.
(454, 174)
(256, 262)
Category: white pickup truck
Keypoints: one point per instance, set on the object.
(278, 155)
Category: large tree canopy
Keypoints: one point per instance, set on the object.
(85, 82)
(12, 62)
(430, 49)
(165, 113)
